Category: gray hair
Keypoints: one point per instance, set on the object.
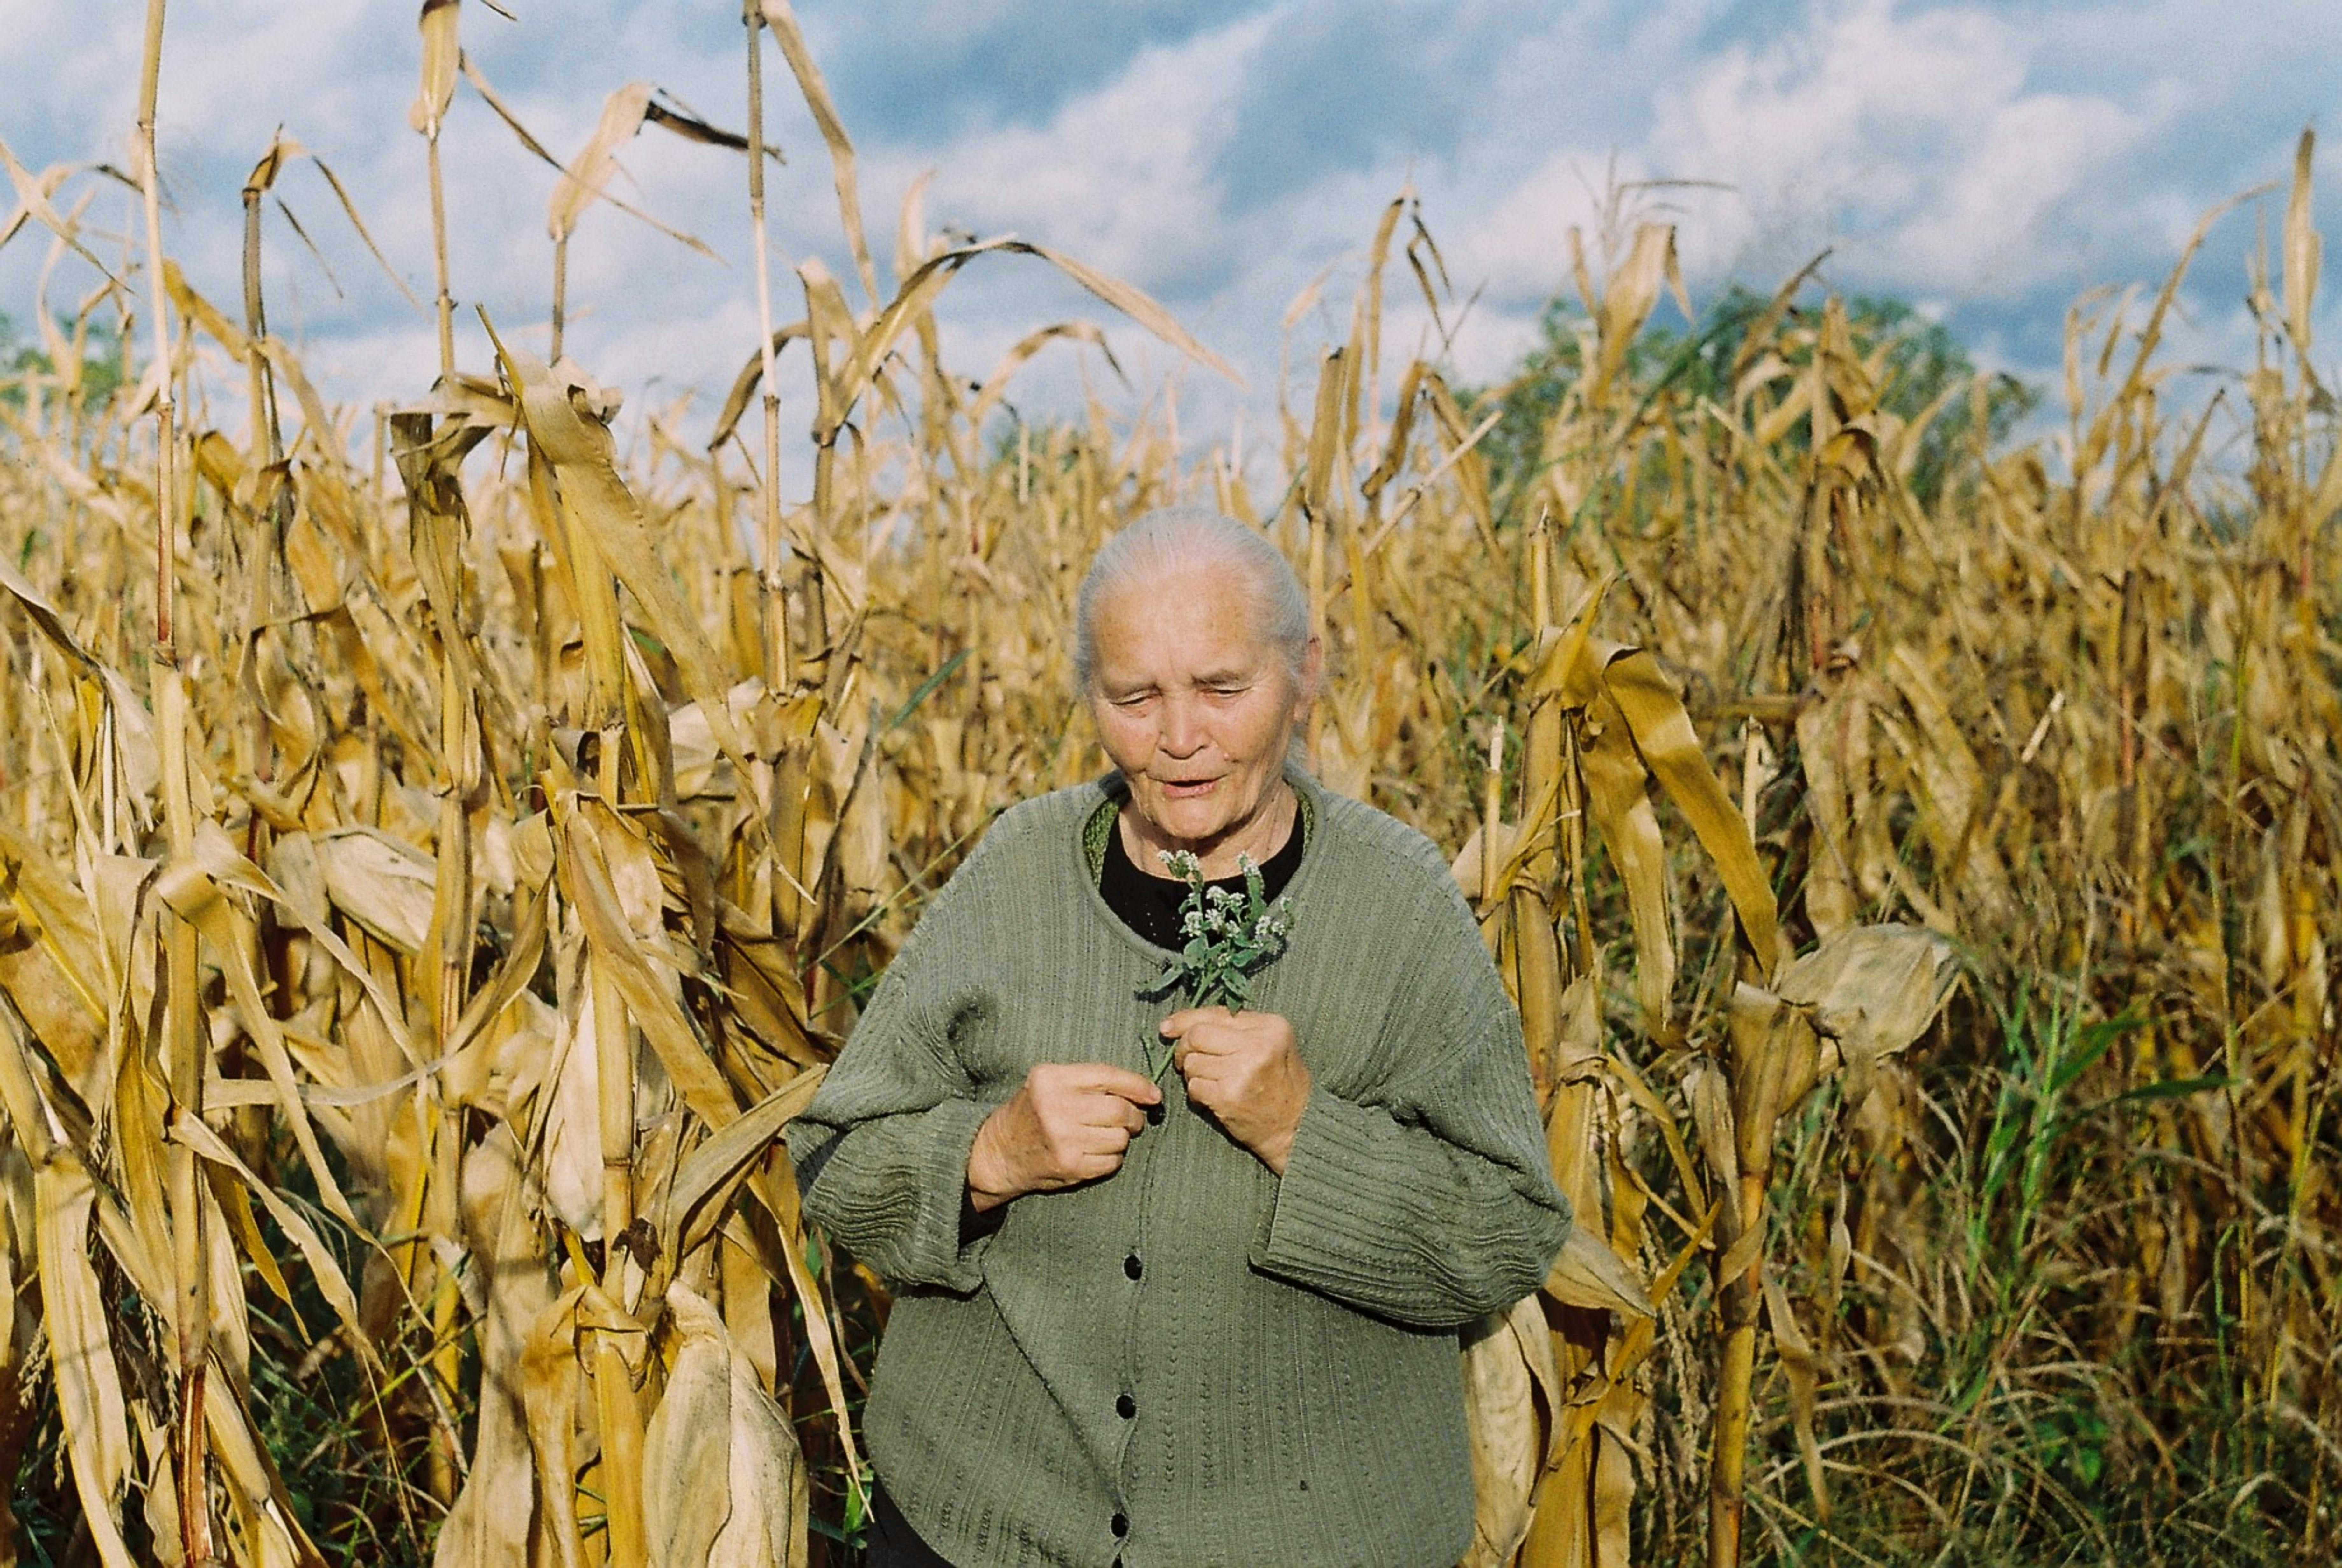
(1171, 539)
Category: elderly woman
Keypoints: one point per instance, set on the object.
(1209, 1319)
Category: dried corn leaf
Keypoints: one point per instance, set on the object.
(585, 879)
(1511, 1392)
(332, 1284)
(1804, 1369)
(696, 1201)
(1872, 991)
(2303, 248)
(440, 49)
(89, 1393)
(579, 450)
(590, 170)
(384, 884)
(782, 19)
(1587, 1273)
(1654, 711)
(494, 1518)
(714, 1423)
(196, 900)
(587, 177)
(549, 1391)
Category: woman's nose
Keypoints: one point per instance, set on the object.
(1182, 729)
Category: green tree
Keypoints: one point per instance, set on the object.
(1923, 359)
(102, 370)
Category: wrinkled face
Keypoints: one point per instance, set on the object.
(1196, 712)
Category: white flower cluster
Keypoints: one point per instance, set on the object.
(1221, 913)
(1226, 936)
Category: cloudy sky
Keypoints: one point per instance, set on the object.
(1989, 161)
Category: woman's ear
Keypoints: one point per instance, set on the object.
(1313, 677)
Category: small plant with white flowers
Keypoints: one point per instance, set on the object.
(1229, 937)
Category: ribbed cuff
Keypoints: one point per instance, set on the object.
(952, 1256)
(1330, 1213)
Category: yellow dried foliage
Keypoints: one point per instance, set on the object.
(479, 874)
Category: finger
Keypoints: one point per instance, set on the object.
(1090, 1080)
(1109, 1111)
(1072, 1154)
(1091, 1164)
(1104, 1141)
(1208, 1040)
(1098, 1078)
(1205, 1083)
(1199, 1064)
(1187, 1018)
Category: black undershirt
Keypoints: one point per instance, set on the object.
(1150, 905)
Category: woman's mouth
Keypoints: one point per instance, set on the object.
(1187, 789)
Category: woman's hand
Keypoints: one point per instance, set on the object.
(1245, 1069)
(1068, 1124)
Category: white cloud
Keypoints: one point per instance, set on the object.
(1986, 159)
(1522, 246)
(1913, 140)
(1980, 233)
(1117, 175)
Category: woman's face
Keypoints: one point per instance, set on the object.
(1196, 712)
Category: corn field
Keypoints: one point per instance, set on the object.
(443, 846)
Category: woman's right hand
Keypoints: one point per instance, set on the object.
(1068, 1124)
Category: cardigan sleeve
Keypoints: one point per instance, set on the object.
(1428, 1198)
(881, 1154)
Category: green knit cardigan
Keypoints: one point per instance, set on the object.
(1193, 1360)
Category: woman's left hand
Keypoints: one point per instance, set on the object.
(1245, 1069)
